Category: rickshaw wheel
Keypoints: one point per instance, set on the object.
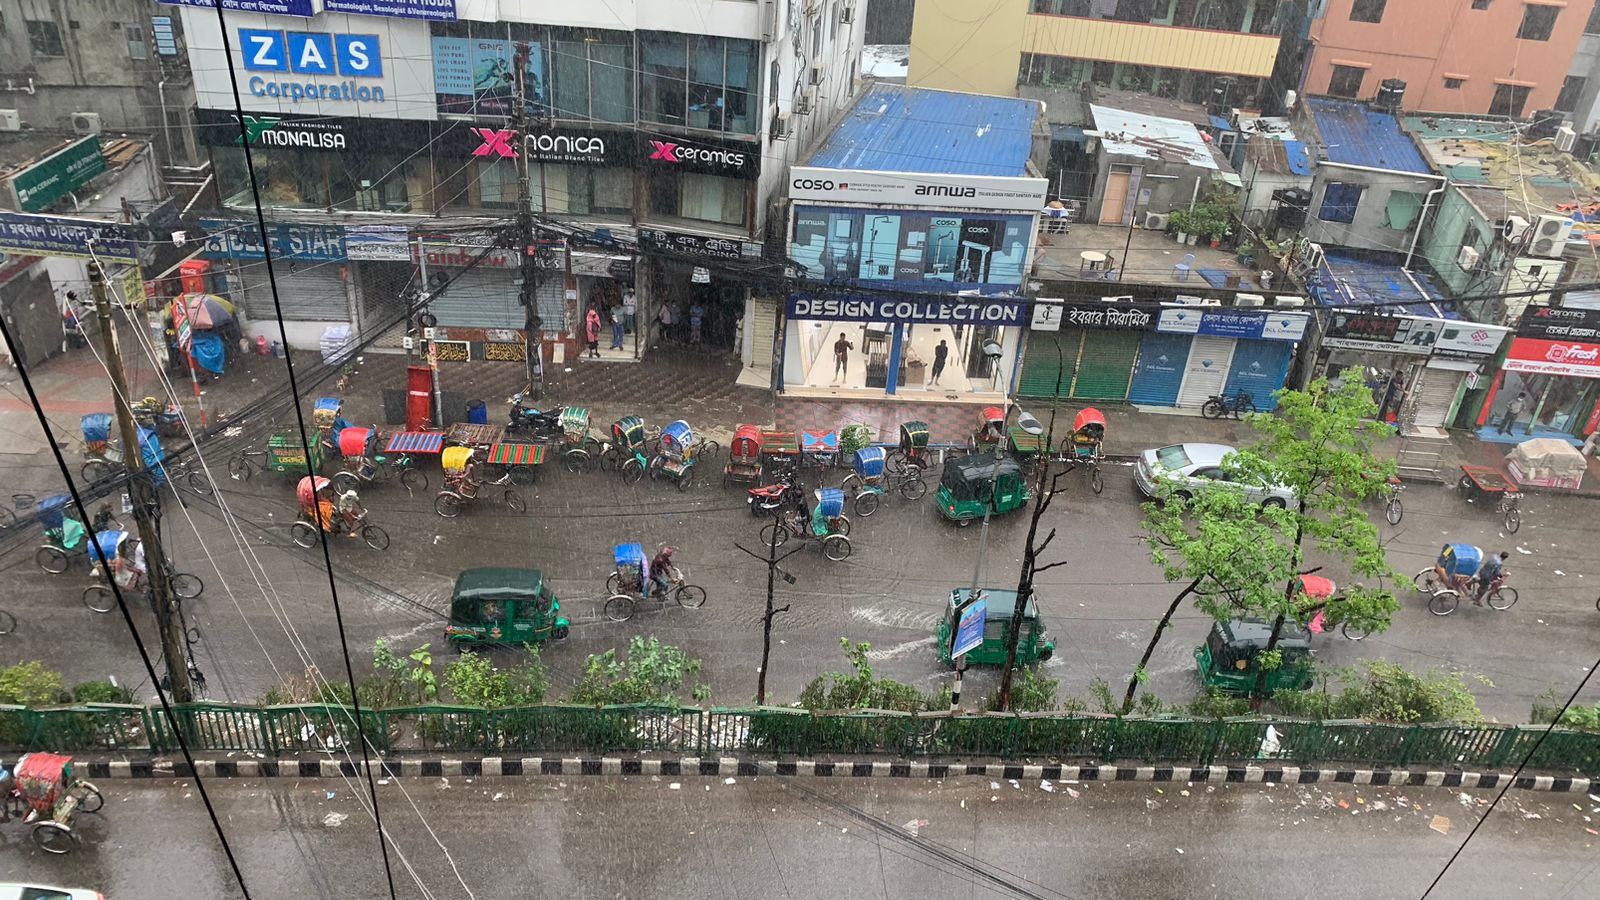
(8, 622)
(346, 481)
(851, 484)
(1354, 633)
(1393, 511)
(92, 799)
(1046, 653)
(895, 461)
(560, 632)
(767, 537)
(53, 560)
(691, 596)
(447, 504)
(610, 459)
(415, 480)
(1513, 520)
(619, 607)
(632, 472)
(1444, 603)
(1427, 582)
(54, 837)
(913, 489)
(94, 470)
(515, 502)
(376, 537)
(836, 547)
(1097, 482)
(1503, 598)
(844, 526)
(200, 484)
(614, 583)
(686, 479)
(186, 586)
(867, 503)
(303, 534)
(239, 468)
(98, 597)
(575, 461)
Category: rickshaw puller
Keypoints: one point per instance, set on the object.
(660, 571)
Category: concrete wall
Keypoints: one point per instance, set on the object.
(1171, 185)
(1367, 232)
(1258, 186)
(1447, 230)
(1586, 64)
(1420, 43)
(957, 47)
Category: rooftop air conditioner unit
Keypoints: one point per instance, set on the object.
(815, 75)
(802, 104)
(1467, 258)
(1249, 300)
(1514, 229)
(1291, 302)
(1566, 137)
(1156, 221)
(1210, 301)
(85, 123)
(10, 120)
(1550, 235)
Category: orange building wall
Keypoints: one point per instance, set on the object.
(1419, 41)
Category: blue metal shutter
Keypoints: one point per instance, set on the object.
(1159, 371)
(1259, 368)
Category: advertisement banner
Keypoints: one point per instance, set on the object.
(730, 159)
(1387, 334)
(1553, 358)
(1103, 316)
(911, 249)
(1557, 323)
(301, 8)
(59, 236)
(1249, 325)
(916, 189)
(561, 146)
(40, 184)
(969, 630)
(695, 245)
(427, 10)
(325, 134)
(1469, 339)
(237, 240)
(916, 310)
(473, 76)
(385, 243)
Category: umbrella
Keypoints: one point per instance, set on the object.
(207, 311)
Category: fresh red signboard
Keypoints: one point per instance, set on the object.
(1554, 357)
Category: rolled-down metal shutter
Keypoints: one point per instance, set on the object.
(1207, 370)
(479, 299)
(763, 327)
(1436, 393)
(311, 291)
(1159, 372)
(1105, 365)
(1257, 369)
(1043, 367)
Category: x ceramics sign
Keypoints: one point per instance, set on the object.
(496, 142)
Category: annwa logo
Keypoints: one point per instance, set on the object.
(945, 190)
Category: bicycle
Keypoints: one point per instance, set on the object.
(246, 463)
(8, 622)
(304, 533)
(101, 599)
(1444, 596)
(1218, 405)
(1393, 509)
(8, 514)
(187, 473)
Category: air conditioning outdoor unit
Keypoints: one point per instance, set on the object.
(780, 126)
(1156, 221)
(86, 123)
(1210, 301)
(10, 120)
(1566, 137)
(1467, 258)
(847, 14)
(815, 75)
(1550, 235)
(1291, 302)
(1249, 300)
(1514, 229)
(802, 105)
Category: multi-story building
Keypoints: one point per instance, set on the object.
(1461, 57)
(96, 65)
(1222, 54)
(665, 125)
(1580, 92)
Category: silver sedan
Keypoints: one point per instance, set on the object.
(1186, 467)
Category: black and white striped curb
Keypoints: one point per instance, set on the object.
(434, 767)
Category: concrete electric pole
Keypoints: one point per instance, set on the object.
(526, 241)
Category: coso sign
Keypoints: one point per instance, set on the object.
(813, 184)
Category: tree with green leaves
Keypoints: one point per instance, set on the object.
(1319, 444)
(651, 672)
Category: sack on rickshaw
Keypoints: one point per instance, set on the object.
(868, 463)
(326, 412)
(830, 508)
(628, 432)
(96, 433)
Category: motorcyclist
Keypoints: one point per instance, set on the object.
(661, 571)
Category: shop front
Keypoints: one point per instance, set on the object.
(1463, 352)
(1553, 365)
(314, 291)
(864, 344)
(1084, 350)
(690, 273)
(1390, 351)
(475, 297)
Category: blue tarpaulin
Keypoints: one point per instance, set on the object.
(208, 352)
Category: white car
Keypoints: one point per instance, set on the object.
(1186, 467)
(14, 891)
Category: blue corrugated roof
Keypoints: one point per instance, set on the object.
(899, 129)
(1298, 156)
(1352, 133)
(1221, 124)
(1351, 281)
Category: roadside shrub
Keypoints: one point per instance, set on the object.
(31, 684)
(1030, 692)
(652, 672)
(861, 689)
(101, 692)
(474, 680)
(1380, 691)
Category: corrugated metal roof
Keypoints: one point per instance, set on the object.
(894, 128)
(1351, 281)
(1351, 133)
(1127, 133)
(1279, 157)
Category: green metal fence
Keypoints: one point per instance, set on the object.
(787, 732)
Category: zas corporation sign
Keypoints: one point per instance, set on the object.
(914, 189)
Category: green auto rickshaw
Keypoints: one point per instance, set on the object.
(973, 484)
(1033, 644)
(1227, 660)
(503, 606)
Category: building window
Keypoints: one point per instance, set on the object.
(1367, 11)
(44, 39)
(136, 45)
(1538, 22)
(1592, 26)
(708, 198)
(592, 77)
(716, 91)
(1509, 100)
(1571, 89)
(1453, 84)
(1339, 202)
(1346, 81)
(1480, 4)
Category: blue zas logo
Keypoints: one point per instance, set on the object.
(302, 53)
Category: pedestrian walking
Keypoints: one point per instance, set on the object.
(630, 309)
(617, 319)
(1513, 409)
(940, 354)
(663, 322)
(841, 356)
(697, 316)
(591, 329)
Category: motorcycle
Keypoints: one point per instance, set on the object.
(767, 499)
(531, 421)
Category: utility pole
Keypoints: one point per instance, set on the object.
(771, 559)
(529, 260)
(174, 648)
